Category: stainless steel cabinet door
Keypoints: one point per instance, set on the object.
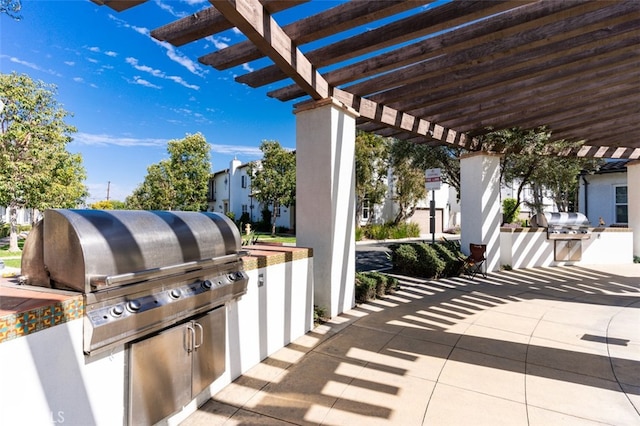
(160, 381)
(209, 349)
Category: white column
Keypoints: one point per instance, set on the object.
(325, 199)
(633, 202)
(480, 204)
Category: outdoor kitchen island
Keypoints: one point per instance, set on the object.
(52, 372)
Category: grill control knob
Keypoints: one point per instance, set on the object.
(231, 276)
(206, 284)
(117, 310)
(133, 305)
(175, 293)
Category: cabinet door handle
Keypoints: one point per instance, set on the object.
(199, 327)
(190, 337)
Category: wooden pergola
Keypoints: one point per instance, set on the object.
(445, 73)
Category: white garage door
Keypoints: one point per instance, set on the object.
(421, 217)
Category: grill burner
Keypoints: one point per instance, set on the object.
(563, 226)
(139, 271)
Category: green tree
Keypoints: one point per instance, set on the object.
(179, 183)
(36, 170)
(372, 164)
(423, 157)
(409, 179)
(108, 205)
(443, 157)
(531, 158)
(274, 178)
(11, 8)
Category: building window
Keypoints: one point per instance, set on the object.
(244, 181)
(365, 210)
(621, 205)
(245, 209)
(276, 210)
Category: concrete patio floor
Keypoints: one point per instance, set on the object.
(541, 346)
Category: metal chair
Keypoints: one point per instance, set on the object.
(474, 263)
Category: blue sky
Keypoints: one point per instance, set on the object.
(130, 94)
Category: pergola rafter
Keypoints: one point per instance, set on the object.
(446, 73)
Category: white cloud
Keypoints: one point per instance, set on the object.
(180, 81)
(94, 49)
(93, 61)
(104, 140)
(134, 63)
(30, 65)
(170, 9)
(181, 59)
(145, 83)
(218, 42)
(247, 67)
(172, 53)
(111, 53)
(236, 149)
(159, 74)
(70, 63)
(195, 2)
(78, 79)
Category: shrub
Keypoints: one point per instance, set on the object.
(319, 315)
(244, 218)
(417, 259)
(370, 285)
(392, 284)
(359, 233)
(377, 232)
(509, 210)
(5, 229)
(381, 283)
(365, 287)
(453, 262)
(405, 230)
(390, 230)
(231, 215)
(429, 264)
(404, 258)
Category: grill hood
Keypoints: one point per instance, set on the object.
(86, 250)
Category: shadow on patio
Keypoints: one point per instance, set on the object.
(530, 347)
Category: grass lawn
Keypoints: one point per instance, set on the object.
(5, 253)
(12, 263)
(267, 238)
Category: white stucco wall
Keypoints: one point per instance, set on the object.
(46, 379)
(325, 199)
(633, 171)
(528, 249)
(480, 204)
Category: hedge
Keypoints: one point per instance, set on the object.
(442, 259)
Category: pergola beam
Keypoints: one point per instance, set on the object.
(396, 32)
(259, 27)
(208, 22)
(337, 19)
(488, 31)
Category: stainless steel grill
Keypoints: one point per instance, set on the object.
(563, 226)
(139, 271)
